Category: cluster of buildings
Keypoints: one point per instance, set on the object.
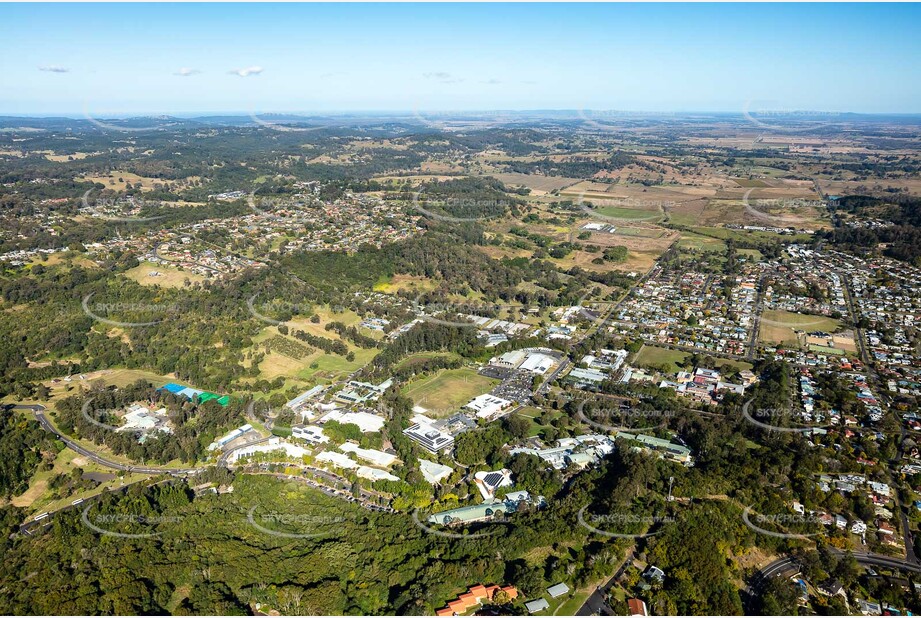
(707, 385)
(144, 421)
(595, 368)
(578, 451)
(493, 508)
(880, 494)
(690, 310)
(474, 597)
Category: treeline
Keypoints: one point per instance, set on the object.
(330, 346)
(574, 166)
(24, 447)
(902, 238)
(424, 337)
(352, 334)
(195, 426)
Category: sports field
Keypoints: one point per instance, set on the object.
(445, 391)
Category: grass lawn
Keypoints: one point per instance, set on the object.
(572, 604)
(690, 240)
(632, 214)
(650, 355)
(415, 359)
(777, 326)
(169, 277)
(733, 364)
(445, 391)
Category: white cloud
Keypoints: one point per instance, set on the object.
(186, 72)
(442, 76)
(246, 71)
(53, 68)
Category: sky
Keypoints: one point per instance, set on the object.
(120, 59)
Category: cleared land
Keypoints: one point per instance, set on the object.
(777, 327)
(167, 277)
(654, 356)
(120, 180)
(397, 283)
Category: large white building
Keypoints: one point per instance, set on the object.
(366, 422)
(487, 406)
(431, 439)
(378, 458)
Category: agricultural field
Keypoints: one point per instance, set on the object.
(447, 390)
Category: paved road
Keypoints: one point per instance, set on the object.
(39, 411)
(788, 565)
(595, 605)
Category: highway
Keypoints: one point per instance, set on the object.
(788, 565)
(39, 411)
(366, 498)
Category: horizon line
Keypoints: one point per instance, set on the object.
(70, 115)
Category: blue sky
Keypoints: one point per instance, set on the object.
(107, 59)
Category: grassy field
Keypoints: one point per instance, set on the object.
(119, 180)
(777, 326)
(414, 359)
(169, 277)
(631, 214)
(397, 283)
(445, 391)
(317, 367)
(690, 240)
(38, 497)
(650, 355)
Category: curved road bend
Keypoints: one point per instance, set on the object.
(39, 411)
(788, 564)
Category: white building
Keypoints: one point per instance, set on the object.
(337, 459)
(310, 433)
(487, 406)
(433, 472)
(366, 422)
(378, 458)
(272, 446)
